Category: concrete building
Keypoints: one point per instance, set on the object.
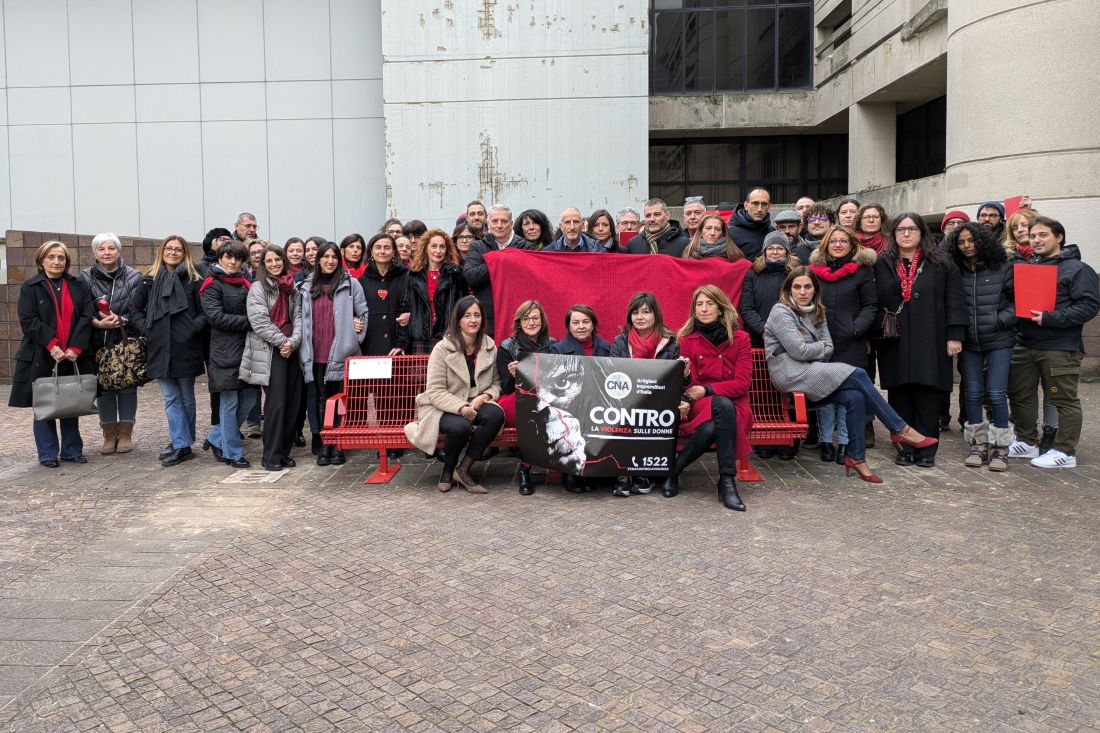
(921, 105)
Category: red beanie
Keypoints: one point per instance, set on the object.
(953, 214)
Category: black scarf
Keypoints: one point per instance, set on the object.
(525, 344)
(169, 294)
(714, 332)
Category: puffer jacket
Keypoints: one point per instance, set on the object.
(990, 307)
(748, 233)
(348, 303)
(225, 308)
(759, 292)
(1077, 300)
(850, 298)
(118, 287)
(264, 337)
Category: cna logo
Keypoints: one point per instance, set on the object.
(617, 385)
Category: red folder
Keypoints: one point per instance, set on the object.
(1036, 287)
(1012, 205)
(625, 237)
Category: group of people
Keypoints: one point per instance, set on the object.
(833, 295)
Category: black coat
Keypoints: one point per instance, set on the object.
(383, 333)
(851, 304)
(174, 343)
(748, 233)
(118, 288)
(226, 308)
(476, 273)
(509, 351)
(990, 307)
(38, 319)
(1077, 300)
(935, 314)
(570, 345)
(759, 292)
(672, 243)
(670, 349)
(422, 329)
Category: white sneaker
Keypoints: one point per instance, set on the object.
(1054, 459)
(1020, 449)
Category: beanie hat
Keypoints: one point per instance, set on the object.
(208, 240)
(996, 204)
(954, 214)
(787, 215)
(777, 238)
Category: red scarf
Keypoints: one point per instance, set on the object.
(63, 312)
(280, 309)
(1025, 250)
(827, 273)
(908, 277)
(875, 241)
(356, 271)
(643, 348)
(239, 280)
(587, 345)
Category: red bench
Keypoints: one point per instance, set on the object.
(379, 398)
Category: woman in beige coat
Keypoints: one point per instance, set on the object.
(459, 397)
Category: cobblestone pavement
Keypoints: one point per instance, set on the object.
(136, 598)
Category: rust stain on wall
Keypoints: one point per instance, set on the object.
(436, 188)
(487, 21)
(491, 180)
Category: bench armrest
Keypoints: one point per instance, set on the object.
(799, 399)
(334, 406)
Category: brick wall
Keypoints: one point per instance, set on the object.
(21, 247)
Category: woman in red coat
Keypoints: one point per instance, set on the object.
(721, 374)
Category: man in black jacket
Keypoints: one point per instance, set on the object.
(500, 236)
(661, 235)
(1049, 344)
(750, 223)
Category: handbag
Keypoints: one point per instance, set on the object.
(122, 364)
(891, 329)
(57, 397)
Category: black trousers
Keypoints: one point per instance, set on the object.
(919, 406)
(475, 437)
(323, 390)
(284, 395)
(721, 430)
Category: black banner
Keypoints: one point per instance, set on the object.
(598, 416)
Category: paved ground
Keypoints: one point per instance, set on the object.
(136, 598)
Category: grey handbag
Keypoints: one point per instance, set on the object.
(56, 397)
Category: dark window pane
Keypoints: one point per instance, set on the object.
(730, 50)
(760, 49)
(699, 51)
(922, 140)
(713, 161)
(672, 194)
(666, 163)
(764, 160)
(795, 47)
(666, 73)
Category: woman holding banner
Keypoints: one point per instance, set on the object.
(530, 334)
(720, 359)
(645, 336)
(459, 396)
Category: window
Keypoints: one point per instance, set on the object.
(922, 141)
(725, 169)
(706, 46)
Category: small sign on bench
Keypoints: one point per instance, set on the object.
(370, 368)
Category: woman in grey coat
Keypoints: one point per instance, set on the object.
(798, 346)
(275, 313)
(334, 325)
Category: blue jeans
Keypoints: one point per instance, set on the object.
(828, 418)
(858, 396)
(118, 405)
(45, 439)
(235, 406)
(979, 382)
(179, 408)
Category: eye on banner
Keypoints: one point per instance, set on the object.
(598, 416)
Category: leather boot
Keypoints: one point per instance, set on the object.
(110, 438)
(572, 483)
(324, 458)
(337, 456)
(670, 487)
(125, 437)
(462, 475)
(523, 480)
(841, 453)
(727, 489)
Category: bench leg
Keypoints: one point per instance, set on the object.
(746, 471)
(385, 471)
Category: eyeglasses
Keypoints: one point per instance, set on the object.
(839, 241)
(906, 230)
(465, 236)
(693, 200)
(536, 318)
(173, 251)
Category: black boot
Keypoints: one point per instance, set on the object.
(523, 480)
(324, 457)
(337, 457)
(670, 487)
(727, 489)
(316, 445)
(828, 453)
(841, 453)
(572, 483)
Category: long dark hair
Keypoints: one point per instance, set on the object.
(454, 328)
(649, 300)
(546, 232)
(929, 249)
(613, 238)
(337, 277)
(990, 252)
(270, 286)
(785, 293)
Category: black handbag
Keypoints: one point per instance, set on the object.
(891, 329)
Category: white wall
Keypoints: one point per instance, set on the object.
(171, 116)
(527, 104)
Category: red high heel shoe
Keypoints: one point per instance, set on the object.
(850, 465)
(899, 439)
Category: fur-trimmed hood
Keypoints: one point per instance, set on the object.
(865, 256)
